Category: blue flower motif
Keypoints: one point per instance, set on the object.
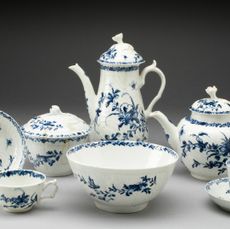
(22, 200)
(50, 157)
(143, 186)
(40, 124)
(217, 154)
(128, 114)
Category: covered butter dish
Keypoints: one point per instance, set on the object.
(49, 136)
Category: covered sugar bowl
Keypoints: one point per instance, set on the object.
(49, 136)
(203, 138)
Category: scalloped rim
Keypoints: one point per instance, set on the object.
(208, 187)
(151, 146)
(209, 112)
(21, 162)
(32, 135)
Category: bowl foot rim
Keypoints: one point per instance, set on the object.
(120, 209)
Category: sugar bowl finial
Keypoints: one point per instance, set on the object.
(118, 38)
(211, 91)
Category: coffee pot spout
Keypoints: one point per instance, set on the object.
(88, 88)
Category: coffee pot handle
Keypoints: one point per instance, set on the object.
(146, 70)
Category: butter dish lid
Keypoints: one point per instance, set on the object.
(212, 105)
(56, 124)
(120, 54)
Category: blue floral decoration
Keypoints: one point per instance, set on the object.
(9, 143)
(22, 200)
(128, 115)
(40, 124)
(22, 172)
(209, 106)
(49, 158)
(217, 154)
(211, 124)
(143, 186)
(118, 143)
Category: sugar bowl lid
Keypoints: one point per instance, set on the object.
(55, 124)
(120, 54)
(212, 105)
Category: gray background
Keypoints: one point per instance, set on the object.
(191, 44)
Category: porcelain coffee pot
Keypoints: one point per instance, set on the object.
(117, 111)
(203, 138)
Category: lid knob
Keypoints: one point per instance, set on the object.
(55, 110)
(118, 38)
(211, 91)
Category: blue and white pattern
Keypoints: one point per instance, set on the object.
(114, 56)
(123, 144)
(211, 106)
(143, 186)
(22, 200)
(217, 182)
(48, 158)
(40, 124)
(22, 172)
(216, 154)
(129, 116)
(119, 69)
(17, 155)
(207, 124)
(57, 139)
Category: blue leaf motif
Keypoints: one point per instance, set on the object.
(217, 154)
(143, 186)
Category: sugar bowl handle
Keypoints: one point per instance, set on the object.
(146, 70)
(53, 193)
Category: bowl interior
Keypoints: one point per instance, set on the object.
(219, 188)
(19, 178)
(131, 155)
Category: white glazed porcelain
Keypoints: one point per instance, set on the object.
(203, 139)
(49, 136)
(117, 111)
(12, 143)
(219, 192)
(122, 176)
(20, 190)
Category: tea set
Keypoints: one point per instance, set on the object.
(59, 144)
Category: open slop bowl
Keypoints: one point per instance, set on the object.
(122, 176)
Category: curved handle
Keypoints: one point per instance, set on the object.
(146, 70)
(53, 193)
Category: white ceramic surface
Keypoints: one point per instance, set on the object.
(203, 138)
(20, 190)
(49, 136)
(122, 176)
(117, 111)
(219, 192)
(12, 143)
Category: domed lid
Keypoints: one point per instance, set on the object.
(212, 105)
(120, 54)
(56, 124)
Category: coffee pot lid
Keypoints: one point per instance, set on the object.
(120, 54)
(212, 105)
(56, 124)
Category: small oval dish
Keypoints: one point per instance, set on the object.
(219, 192)
(122, 176)
(12, 143)
(49, 136)
(20, 190)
